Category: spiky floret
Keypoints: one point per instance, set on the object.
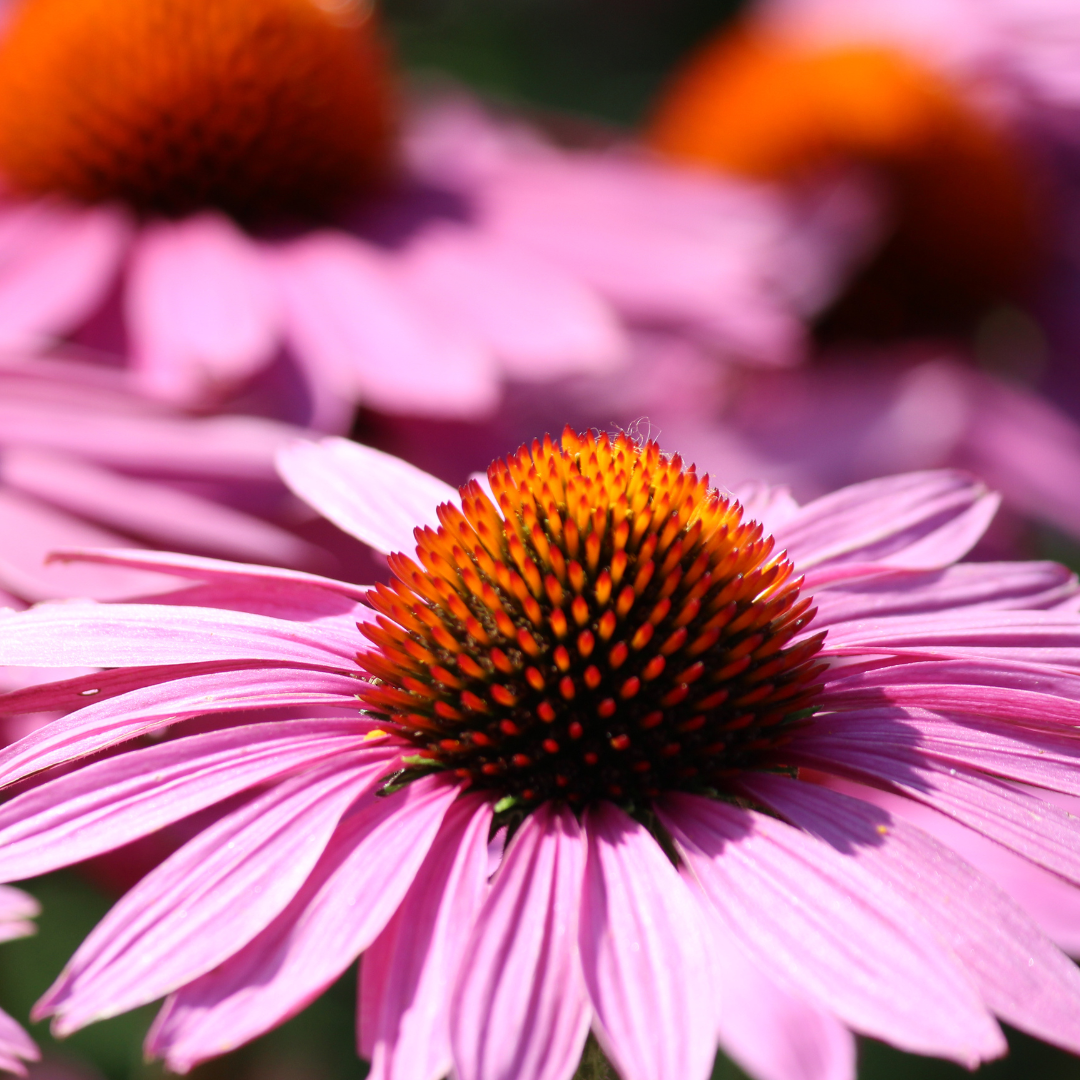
(610, 630)
(256, 107)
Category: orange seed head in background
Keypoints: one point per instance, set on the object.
(758, 105)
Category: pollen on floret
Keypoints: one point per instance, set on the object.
(532, 713)
(259, 108)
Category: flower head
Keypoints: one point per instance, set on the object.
(249, 106)
(221, 192)
(716, 846)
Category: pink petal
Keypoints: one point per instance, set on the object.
(258, 579)
(373, 496)
(1020, 975)
(1050, 638)
(1053, 903)
(110, 720)
(200, 309)
(1042, 759)
(520, 1011)
(57, 263)
(1030, 826)
(148, 509)
(644, 956)
(770, 1032)
(111, 802)
(114, 635)
(819, 922)
(404, 1015)
(917, 521)
(32, 529)
(359, 334)
(986, 585)
(15, 1044)
(540, 321)
(209, 899)
(344, 905)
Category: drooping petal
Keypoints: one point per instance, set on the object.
(375, 497)
(257, 578)
(917, 521)
(998, 586)
(343, 906)
(200, 309)
(209, 899)
(117, 635)
(1021, 976)
(823, 924)
(404, 1011)
(115, 719)
(114, 801)
(1033, 827)
(520, 1009)
(771, 1032)
(644, 957)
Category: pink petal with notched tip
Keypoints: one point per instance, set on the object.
(1020, 975)
(344, 905)
(358, 331)
(57, 263)
(404, 1010)
(1025, 824)
(540, 321)
(114, 635)
(112, 802)
(373, 496)
(769, 1031)
(1053, 903)
(917, 521)
(520, 1009)
(200, 309)
(644, 956)
(152, 706)
(822, 924)
(149, 510)
(996, 586)
(209, 899)
(33, 528)
(256, 579)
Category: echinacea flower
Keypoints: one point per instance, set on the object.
(602, 663)
(204, 185)
(938, 99)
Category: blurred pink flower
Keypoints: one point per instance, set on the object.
(490, 254)
(17, 909)
(619, 660)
